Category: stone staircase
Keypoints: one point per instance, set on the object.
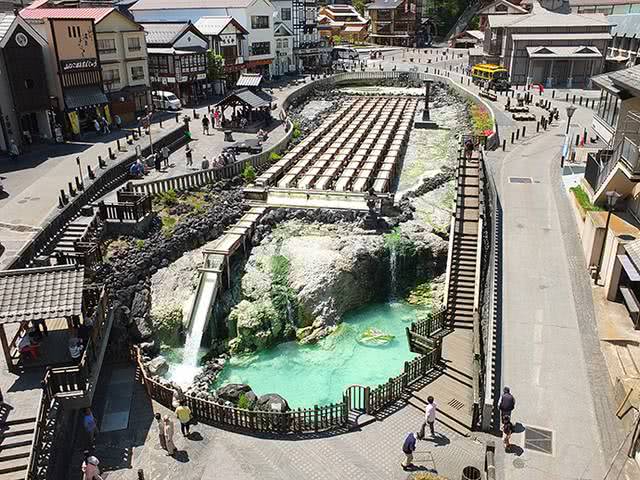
(465, 245)
(16, 438)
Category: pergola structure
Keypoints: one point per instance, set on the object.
(249, 100)
(43, 294)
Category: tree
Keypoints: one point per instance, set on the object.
(359, 6)
(215, 65)
(336, 39)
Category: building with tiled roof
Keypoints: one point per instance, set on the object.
(342, 21)
(548, 47)
(113, 78)
(393, 22)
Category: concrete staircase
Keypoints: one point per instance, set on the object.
(16, 438)
(77, 230)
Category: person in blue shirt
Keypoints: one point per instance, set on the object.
(408, 447)
(90, 425)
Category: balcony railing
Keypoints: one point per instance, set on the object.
(601, 164)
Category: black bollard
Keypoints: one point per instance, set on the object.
(160, 123)
(524, 130)
(566, 98)
(580, 100)
(573, 100)
(504, 145)
(577, 140)
(60, 202)
(118, 144)
(553, 94)
(140, 474)
(90, 172)
(111, 155)
(79, 185)
(518, 134)
(72, 192)
(538, 127)
(177, 117)
(101, 163)
(513, 136)
(139, 132)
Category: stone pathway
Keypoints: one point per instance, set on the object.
(372, 453)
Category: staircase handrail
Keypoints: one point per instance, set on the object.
(43, 411)
(447, 280)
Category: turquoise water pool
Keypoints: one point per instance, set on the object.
(306, 375)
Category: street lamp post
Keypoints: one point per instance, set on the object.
(612, 198)
(570, 111)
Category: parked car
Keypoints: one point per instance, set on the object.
(164, 100)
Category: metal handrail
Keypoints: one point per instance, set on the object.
(452, 233)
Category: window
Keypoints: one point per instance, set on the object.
(106, 46)
(74, 32)
(285, 13)
(28, 83)
(260, 48)
(137, 73)
(285, 43)
(133, 44)
(278, 43)
(110, 77)
(259, 22)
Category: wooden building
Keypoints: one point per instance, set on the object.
(178, 60)
(24, 93)
(394, 22)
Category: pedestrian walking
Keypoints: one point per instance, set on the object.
(189, 153)
(118, 121)
(157, 161)
(216, 118)
(90, 469)
(507, 430)
(105, 125)
(184, 415)
(205, 125)
(408, 447)
(165, 156)
(429, 418)
(161, 437)
(90, 426)
(168, 435)
(507, 403)
(96, 125)
(205, 163)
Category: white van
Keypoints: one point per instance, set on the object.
(164, 100)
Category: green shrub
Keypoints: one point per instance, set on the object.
(394, 241)
(243, 402)
(168, 198)
(139, 244)
(583, 200)
(274, 157)
(297, 133)
(249, 174)
(168, 225)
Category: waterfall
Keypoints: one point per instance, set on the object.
(393, 264)
(199, 316)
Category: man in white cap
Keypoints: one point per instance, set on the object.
(90, 468)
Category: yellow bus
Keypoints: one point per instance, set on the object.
(495, 76)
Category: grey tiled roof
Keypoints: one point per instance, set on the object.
(633, 251)
(627, 79)
(383, 4)
(163, 33)
(79, 97)
(6, 19)
(40, 293)
(625, 25)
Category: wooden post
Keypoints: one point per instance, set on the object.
(315, 418)
(6, 350)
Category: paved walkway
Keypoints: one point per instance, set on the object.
(550, 353)
(372, 453)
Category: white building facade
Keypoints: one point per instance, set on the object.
(283, 33)
(255, 16)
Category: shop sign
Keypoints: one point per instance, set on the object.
(79, 64)
(201, 76)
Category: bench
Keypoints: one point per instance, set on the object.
(631, 302)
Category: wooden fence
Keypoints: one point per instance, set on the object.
(130, 206)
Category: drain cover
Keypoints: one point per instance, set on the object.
(538, 440)
(518, 463)
(520, 180)
(457, 404)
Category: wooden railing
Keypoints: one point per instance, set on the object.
(432, 324)
(44, 406)
(131, 206)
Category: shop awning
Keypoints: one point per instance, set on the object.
(249, 80)
(80, 97)
(629, 267)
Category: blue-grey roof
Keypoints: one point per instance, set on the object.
(625, 25)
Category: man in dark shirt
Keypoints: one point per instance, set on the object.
(408, 447)
(507, 403)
